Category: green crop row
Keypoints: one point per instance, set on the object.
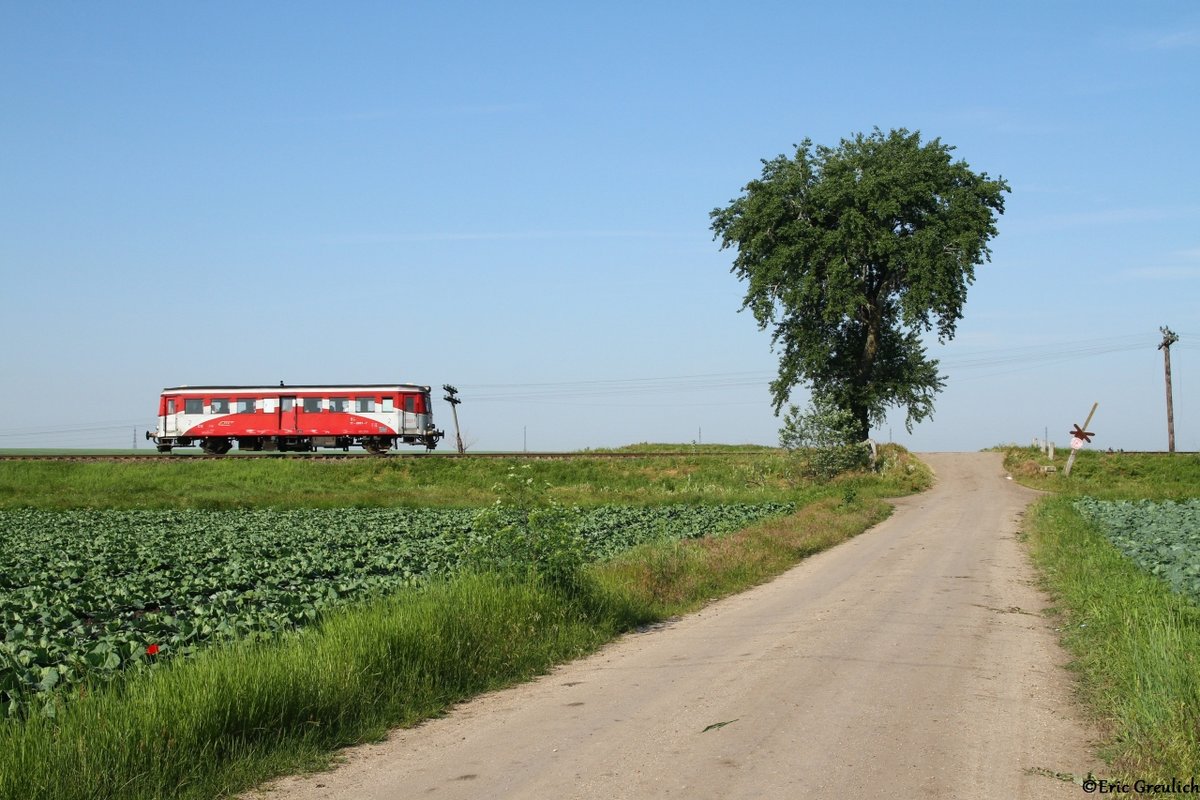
(1162, 538)
(86, 595)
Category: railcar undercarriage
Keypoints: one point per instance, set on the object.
(220, 445)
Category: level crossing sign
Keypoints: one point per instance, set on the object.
(1079, 435)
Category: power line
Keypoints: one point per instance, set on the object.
(92, 429)
(1022, 358)
(1044, 352)
(971, 364)
(126, 423)
(635, 405)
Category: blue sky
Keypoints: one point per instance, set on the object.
(514, 197)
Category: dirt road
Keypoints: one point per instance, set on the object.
(912, 661)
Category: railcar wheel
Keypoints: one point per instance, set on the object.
(377, 445)
(216, 446)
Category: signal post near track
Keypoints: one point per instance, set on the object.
(452, 398)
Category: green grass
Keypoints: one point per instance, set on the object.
(232, 716)
(366, 482)
(1109, 476)
(1135, 642)
(665, 579)
(693, 447)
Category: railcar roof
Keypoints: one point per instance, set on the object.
(297, 387)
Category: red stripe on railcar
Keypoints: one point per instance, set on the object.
(308, 424)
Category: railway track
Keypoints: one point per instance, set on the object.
(185, 457)
(178, 458)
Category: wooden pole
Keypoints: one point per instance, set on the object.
(1070, 463)
(457, 434)
(1091, 413)
(452, 398)
(1169, 338)
(1170, 405)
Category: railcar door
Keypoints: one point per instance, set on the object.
(289, 416)
(170, 420)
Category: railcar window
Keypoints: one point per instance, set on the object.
(389, 404)
(339, 404)
(312, 405)
(219, 405)
(410, 404)
(171, 406)
(364, 404)
(245, 405)
(286, 403)
(193, 405)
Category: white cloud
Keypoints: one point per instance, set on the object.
(1173, 41)
(376, 115)
(486, 236)
(1104, 217)
(995, 118)
(486, 108)
(1160, 274)
(1161, 39)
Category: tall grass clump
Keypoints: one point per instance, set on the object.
(238, 714)
(527, 534)
(1136, 644)
(669, 578)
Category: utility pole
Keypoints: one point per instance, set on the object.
(452, 398)
(1169, 338)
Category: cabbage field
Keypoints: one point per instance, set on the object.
(88, 594)
(1162, 538)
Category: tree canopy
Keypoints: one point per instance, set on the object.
(850, 254)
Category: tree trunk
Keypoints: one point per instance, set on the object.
(873, 324)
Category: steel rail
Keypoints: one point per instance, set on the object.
(183, 457)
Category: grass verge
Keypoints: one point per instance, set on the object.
(672, 578)
(234, 716)
(1135, 642)
(1136, 645)
(193, 482)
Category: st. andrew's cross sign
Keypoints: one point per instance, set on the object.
(1078, 437)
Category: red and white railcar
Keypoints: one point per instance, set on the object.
(375, 416)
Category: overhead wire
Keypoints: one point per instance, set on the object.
(970, 364)
(1011, 359)
(1037, 356)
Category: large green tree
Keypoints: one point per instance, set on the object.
(850, 254)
